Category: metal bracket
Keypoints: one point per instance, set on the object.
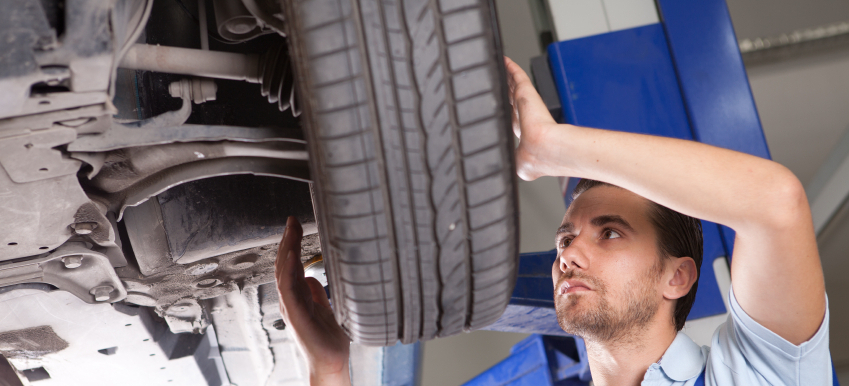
(34, 220)
(123, 136)
(135, 174)
(185, 315)
(41, 72)
(31, 157)
(72, 267)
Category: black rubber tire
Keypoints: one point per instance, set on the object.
(408, 123)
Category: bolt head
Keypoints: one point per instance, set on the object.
(207, 283)
(84, 228)
(241, 25)
(102, 293)
(175, 89)
(72, 262)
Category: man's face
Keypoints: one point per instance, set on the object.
(608, 270)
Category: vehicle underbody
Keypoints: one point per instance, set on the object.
(152, 151)
(133, 213)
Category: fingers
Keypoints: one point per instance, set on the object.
(305, 307)
(531, 120)
(289, 272)
(289, 240)
(514, 116)
(516, 122)
(292, 236)
(281, 269)
(527, 104)
(510, 84)
(511, 66)
(515, 74)
(318, 294)
(288, 282)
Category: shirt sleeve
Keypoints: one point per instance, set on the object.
(743, 352)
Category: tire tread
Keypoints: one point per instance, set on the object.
(416, 194)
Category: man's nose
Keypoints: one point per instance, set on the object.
(574, 256)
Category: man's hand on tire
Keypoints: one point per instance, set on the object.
(532, 122)
(306, 311)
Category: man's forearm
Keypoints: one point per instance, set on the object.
(703, 181)
(325, 378)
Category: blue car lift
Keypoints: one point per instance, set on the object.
(682, 77)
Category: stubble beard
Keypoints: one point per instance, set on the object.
(605, 322)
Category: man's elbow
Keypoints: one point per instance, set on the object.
(787, 202)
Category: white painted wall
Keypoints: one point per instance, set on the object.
(804, 108)
(573, 19)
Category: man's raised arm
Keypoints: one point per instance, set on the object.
(776, 270)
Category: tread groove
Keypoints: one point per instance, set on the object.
(337, 81)
(341, 108)
(403, 331)
(325, 24)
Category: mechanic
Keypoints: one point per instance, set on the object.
(628, 261)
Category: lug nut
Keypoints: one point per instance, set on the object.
(279, 324)
(84, 228)
(72, 262)
(102, 293)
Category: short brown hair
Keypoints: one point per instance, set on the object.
(679, 235)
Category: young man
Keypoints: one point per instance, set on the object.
(628, 256)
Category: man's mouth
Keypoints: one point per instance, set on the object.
(572, 286)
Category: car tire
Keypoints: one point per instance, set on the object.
(407, 119)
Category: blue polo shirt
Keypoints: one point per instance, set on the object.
(743, 352)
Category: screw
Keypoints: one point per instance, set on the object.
(279, 324)
(207, 283)
(74, 261)
(102, 293)
(84, 228)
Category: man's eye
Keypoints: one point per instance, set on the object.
(610, 234)
(565, 242)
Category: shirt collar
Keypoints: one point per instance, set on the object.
(683, 359)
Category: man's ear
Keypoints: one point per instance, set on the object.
(683, 277)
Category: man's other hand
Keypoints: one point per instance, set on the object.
(532, 122)
(306, 311)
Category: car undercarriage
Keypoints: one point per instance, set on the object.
(152, 151)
